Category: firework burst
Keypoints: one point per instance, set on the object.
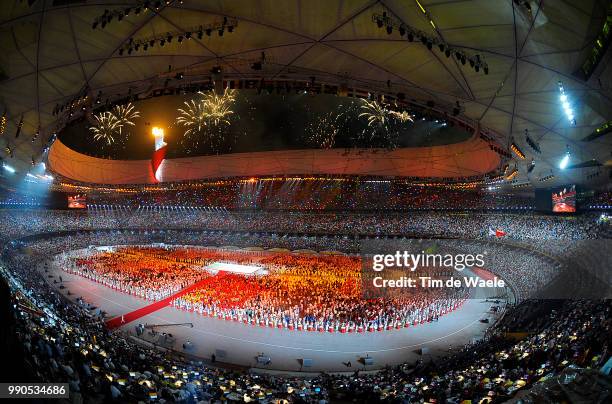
(205, 119)
(403, 116)
(126, 114)
(210, 110)
(218, 107)
(193, 117)
(322, 132)
(325, 131)
(111, 123)
(107, 126)
(375, 113)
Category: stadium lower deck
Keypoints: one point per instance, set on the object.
(78, 281)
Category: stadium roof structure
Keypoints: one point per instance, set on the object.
(471, 158)
(497, 65)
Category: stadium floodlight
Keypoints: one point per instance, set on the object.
(565, 103)
(8, 168)
(565, 160)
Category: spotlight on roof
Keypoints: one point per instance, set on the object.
(565, 102)
(8, 168)
(565, 160)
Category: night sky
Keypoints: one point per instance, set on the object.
(260, 122)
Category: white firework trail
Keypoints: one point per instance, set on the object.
(107, 126)
(375, 113)
(126, 114)
(192, 117)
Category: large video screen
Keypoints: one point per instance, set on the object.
(77, 201)
(564, 200)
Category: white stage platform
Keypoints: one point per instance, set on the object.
(241, 269)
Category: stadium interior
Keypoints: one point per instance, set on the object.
(281, 201)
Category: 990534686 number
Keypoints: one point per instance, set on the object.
(34, 390)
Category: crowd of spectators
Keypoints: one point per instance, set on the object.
(320, 195)
(16, 223)
(565, 334)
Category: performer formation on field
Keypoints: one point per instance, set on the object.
(300, 291)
